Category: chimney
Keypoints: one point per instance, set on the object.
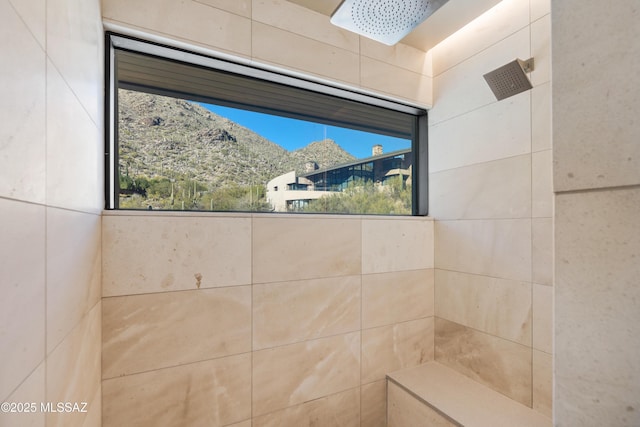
(376, 150)
(310, 166)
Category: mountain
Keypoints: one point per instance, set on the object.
(173, 138)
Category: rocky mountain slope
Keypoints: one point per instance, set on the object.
(173, 138)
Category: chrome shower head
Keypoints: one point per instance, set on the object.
(386, 21)
(510, 79)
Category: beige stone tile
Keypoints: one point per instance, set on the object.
(543, 318)
(543, 382)
(497, 363)
(399, 55)
(596, 317)
(396, 297)
(146, 332)
(497, 248)
(284, 313)
(33, 13)
(490, 28)
(22, 306)
(595, 147)
(495, 306)
(541, 117)
(75, 47)
(495, 131)
(462, 89)
(210, 393)
(396, 245)
(541, 50)
(341, 409)
(73, 369)
(297, 373)
(22, 106)
(155, 254)
(30, 391)
(466, 401)
(406, 410)
(239, 7)
(389, 348)
(498, 189)
(72, 139)
(293, 51)
(305, 248)
(409, 85)
(303, 22)
(246, 423)
(73, 270)
(539, 8)
(373, 399)
(94, 408)
(542, 256)
(231, 32)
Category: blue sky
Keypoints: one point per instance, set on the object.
(293, 134)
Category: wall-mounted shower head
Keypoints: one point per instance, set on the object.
(386, 21)
(510, 79)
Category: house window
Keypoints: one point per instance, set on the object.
(194, 132)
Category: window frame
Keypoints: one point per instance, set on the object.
(165, 51)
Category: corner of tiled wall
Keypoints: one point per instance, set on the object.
(50, 205)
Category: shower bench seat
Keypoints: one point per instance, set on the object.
(435, 395)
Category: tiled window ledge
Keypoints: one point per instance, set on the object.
(447, 398)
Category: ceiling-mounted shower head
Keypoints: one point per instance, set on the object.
(386, 21)
(510, 79)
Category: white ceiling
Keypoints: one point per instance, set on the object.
(454, 15)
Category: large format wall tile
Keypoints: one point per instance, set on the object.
(22, 107)
(22, 306)
(156, 254)
(284, 313)
(239, 7)
(462, 88)
(146, 332)
(543, 382)
(290, 248)
(373, 403)
(495, 131)
(539, 8)
(72, 139)
(303, 54)
(405, 84)
(302, 21)
(396, 245)
(541, 117)
(75, 48)
(541, 50)
(597, 289)
(389, 348)
(498, 23)
(495, 306)
(211, 393)
(543, 318)
(542, 186)
(73, 270)
(32, 391)
(497, 189)
(595, 147)
(396, 297)
(73, 369)
(297, 373)
(231, 32)
(33, 13)
(498, 363)
(497, 248)
(400, 55)
(341, 409)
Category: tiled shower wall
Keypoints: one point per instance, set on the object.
(492, 202)
(50, 205)
(270, 319)
(597, 237)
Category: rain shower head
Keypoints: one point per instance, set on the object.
(386, 21)
(510, 79)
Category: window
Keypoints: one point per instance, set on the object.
(193, 132)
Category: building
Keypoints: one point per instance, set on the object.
(291, 192)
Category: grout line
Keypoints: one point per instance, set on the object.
(598, 190)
